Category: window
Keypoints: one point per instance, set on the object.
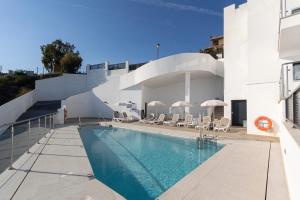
(293, 108)
(97, 66)
(296, 67)
(117, 66)
(296, 11)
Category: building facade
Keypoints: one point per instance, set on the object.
(192, 77)
(262, 53)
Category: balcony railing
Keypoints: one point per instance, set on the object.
(289, 79)
(289, 8)
(290, 91)
(17, 138)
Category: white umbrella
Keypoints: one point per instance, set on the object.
(182, 104)
(156, 104)
(213, 103)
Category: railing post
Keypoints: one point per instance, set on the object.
(79, 120)
(39, 133)
(50, 122)
(45, 121)
(12, 147)
(28, 142)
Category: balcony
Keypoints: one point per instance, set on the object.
(289, 30)
(290, 79)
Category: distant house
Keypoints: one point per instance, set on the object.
(25, 72)
(216, 49)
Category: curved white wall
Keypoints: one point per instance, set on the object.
(12, 110)
(111, 88)
(101, 101)
(184, 62)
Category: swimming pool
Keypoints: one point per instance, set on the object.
(141, 165)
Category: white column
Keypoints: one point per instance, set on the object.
(106, 63)
(127, 66)
(187, 90)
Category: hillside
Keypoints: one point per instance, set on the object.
(13, 86)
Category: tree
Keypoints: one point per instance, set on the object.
(71, 62)
(53, 53)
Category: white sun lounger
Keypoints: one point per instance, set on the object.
(223, 125)
(188, 120)
(172, 122)
(151, 117)
(117, 117)
(205, 124)
(158, 121)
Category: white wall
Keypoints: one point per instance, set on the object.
(236, 52)
(12, 110)
(95, 77)
(202, 89)
(110, 87)
(290, 146)
(252, 67)
(60, 87)
(173, 64)
(262, 67)
(102, 100)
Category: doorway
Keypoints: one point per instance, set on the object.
(238, 112)
(146, 109)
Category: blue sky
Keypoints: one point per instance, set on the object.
(113, 30)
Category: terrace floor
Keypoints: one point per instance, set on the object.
(58, 168)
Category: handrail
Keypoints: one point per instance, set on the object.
(26, 120)
(12, 127)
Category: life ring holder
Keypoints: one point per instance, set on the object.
(65, 114)
(263, 123)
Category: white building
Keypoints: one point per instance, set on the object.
(259, 76)
(191, 77)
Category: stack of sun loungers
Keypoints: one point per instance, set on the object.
(122, 117)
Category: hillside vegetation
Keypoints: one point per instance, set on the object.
(13, 86)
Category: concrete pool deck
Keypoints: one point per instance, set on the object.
(56, 169)
(59, 169)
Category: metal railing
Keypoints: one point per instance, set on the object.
(289, 8)
(289, 79)
(18, 137)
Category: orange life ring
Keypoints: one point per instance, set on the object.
(263, 123)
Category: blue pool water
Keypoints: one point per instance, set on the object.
(141, 165)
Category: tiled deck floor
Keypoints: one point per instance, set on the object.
(238, 171)
(60, 172)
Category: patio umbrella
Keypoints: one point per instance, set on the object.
(212, 104)
(182, 104)
(156, 104)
